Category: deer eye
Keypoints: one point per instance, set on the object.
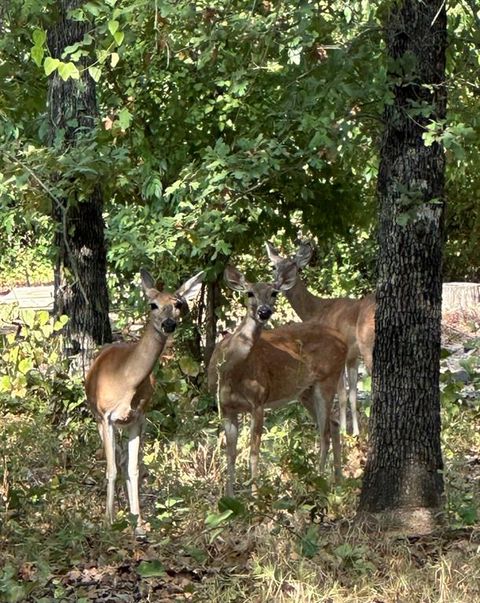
(153, 306)
(250, 294)
(178, 304)
(274, 293)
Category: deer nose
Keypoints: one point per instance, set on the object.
(264, 312)
(168, 325)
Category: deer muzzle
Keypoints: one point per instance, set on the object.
(264, 312)
(169, 325)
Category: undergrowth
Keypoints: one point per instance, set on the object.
(296, 541)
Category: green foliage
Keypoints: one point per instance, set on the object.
(28, 366)
(457, 399)
(25, 237)
(355, 557)
(148, 569)
(222, 125)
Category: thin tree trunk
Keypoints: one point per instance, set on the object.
(80, 271)
(213, 303)
(403, 483)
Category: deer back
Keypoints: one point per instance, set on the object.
(281, 365)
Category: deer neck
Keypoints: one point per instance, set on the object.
(144, 355)
(305, 304)
(241, 343)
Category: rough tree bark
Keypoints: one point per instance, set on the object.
(80, 271)
(403, 482)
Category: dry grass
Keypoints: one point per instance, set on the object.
(460, 325)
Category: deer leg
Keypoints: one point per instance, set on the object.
(107, 432)
(337, 449)
(352, 368)
(308, 402)
(231, 437)
(255, 439)
(327, 425)
(134, 435)
(323, 424)
(342, 402)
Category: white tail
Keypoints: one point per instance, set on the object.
(254, 369)
(119, 384)
(353, 318)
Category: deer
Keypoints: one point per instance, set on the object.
(354, 318)
(253, 369)
(119, 385)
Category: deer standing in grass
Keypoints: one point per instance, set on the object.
(254, 369)
(119, 384)
(353, 318)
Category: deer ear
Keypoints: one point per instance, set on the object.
(150, 287)
(272, 253)
(287, 278)
(190, 288)
(304, 254)
(148, 283)
(147, 279)
(235, 279)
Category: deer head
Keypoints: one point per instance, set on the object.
(165, 308)
(261, 297)
(283, 264)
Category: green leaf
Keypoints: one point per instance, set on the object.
(120, 525)
(114, 58)
(68, 70)
(25, 365)
(309, 543)
(70, 49)
(124, 118)
(149, 569)
(113, 26)
(60, 323)
(50, 65)
(37, 53)
(43, 317)
(189, 366)
(5, 383)
(92, 8)
(344, 551)
(214, 520)
(118, 37)
(95, 73)
(233, 504)
(199, 555)
(39, 36)
(469, 514)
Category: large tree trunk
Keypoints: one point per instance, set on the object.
(403, 483)
(80, 275)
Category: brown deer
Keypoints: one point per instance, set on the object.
(353, 318)
(119, 384)
(254, 369)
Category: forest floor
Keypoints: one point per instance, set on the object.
(297, 541)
